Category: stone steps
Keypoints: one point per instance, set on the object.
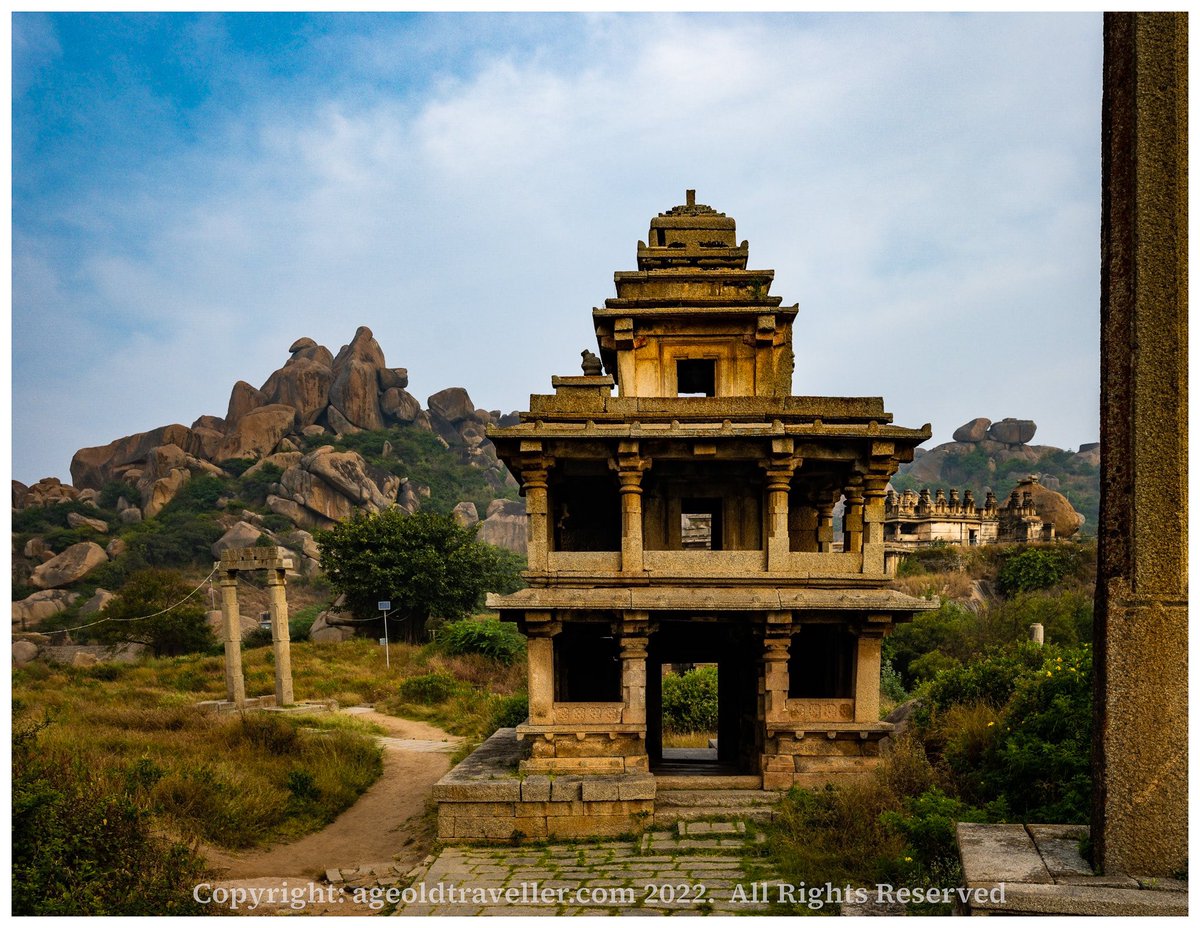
(684, 805)
(708, 782)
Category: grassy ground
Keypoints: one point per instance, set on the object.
(242, 781)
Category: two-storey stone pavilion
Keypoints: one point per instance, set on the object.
(688, 518)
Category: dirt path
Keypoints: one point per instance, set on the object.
(383, 825)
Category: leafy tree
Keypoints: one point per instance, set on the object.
(425, 564)
(689, 701)
(1033, 569)
(137, 615)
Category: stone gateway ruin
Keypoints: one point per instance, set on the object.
(680, 506)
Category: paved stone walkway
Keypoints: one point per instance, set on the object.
(697, 868)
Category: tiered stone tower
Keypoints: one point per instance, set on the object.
(689, 518)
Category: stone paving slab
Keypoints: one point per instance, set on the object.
(658, 874)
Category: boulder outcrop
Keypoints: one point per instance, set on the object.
(1012, 431)
(506, 525)
(975, 430)
(40, 606)
(73, 564)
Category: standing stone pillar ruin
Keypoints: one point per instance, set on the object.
(281, 636)
(276, 562)
(231, 633)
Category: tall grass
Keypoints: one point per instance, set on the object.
(242, 781)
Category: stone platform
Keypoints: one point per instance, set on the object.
(267, 704)
(1042, 872)
(485, 798)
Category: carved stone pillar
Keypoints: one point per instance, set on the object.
(537, 506)
(779, 480)
(874, 491)
(776, 651)
(866, 676)
(803, 522)
(231, 629)
(825, 527)
(630, 467)
(633, 640)
(281, 640)
(852, 519)
(540, 651)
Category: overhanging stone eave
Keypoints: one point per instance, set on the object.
(617, 308)
(708, 599)
(569, 427)
(697, 273)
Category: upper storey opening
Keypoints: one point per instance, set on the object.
(693, 319)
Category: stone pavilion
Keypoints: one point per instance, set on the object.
(680, 504)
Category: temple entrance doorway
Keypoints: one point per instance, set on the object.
(696, 653)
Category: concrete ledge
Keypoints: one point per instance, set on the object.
(1038, 870)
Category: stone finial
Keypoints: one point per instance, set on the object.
(592, 365)
(691, 198)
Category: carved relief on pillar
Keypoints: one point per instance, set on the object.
(634, 640)
(587, 713)
(820, 710)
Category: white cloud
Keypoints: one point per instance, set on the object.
(920, 185)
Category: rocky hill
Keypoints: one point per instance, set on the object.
(324, 436)
(986, 455)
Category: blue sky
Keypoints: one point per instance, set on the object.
(192, 193)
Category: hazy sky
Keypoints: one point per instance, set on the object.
(192, 193)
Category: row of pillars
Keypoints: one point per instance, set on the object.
(633, 641)
(231, 626)
(862, 521)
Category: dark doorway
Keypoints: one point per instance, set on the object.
(724, 650)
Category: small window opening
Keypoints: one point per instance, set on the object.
(662, 238)
(700, 525)
(587, 664)
(696, 377)
(821, 665)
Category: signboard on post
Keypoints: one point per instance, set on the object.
(385, 606)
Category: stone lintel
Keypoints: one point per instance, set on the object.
(723, 599)
(272, 558)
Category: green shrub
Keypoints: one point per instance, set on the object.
(1034, 569)
(84, 846)
(510, 711)
(689, 701)
(992, 679)
(301, 622)
(1042, 767)
(498, 640)
(927, 826)
(429, 689)
(890, 684)
(237, 466)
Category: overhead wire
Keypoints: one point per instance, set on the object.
(139, 618)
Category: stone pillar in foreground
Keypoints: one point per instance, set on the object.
(281, 639)
(1140, 763)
